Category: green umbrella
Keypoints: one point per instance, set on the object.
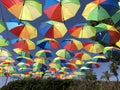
(64, 53)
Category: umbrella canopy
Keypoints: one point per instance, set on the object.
(82, 31)
(40, 60)
(76, 61)
(61, 10)
(59, 60)
(24, 60)
(2, 26)
(3, 42)
(82, 56)
(93, 47)
(101, 59)
(108, 37)
(105, 27)
(112, 51)
(92, 64)
(85, 69)
(22, 53)
(44, 53)
(22, 30)
(100, 9)
(71, 44)
(64, 53)
(4, 52)
(52, 29)
(23, 44)
(24, 9)
(48, 43)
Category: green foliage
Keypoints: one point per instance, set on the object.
(37, 84)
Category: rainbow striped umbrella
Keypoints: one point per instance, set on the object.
(71, 44)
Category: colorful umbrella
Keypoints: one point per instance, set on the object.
(108, 37)
(22, 30)
(82, 31)
(24, 60)
(22, 53)
(76, 61)
(52, 29)
(59, 60)
(2, 26)
(61, 10)
(64, 53)
(24, 9)
(40, 60)
(100, 9)
(48, 43)
(93, 47)
(4, 52)
(105, 27)
(23, 44)
(85, 69)
(100, 58)
(112, 51)
(44, 53)
(71, 44)
(92, 64)
(71, 66)
(3, 42)
(83, 56)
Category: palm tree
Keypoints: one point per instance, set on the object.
(106, 75)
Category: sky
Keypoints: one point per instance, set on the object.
(69, 23)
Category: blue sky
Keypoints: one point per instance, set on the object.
(69, 23)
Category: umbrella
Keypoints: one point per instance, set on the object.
(93, 47)
(104, 27)
(82, 56)
(92, 64)
(100, 9)
(23, 44)
(4, 52)
(3, 42)
(85, 69)
(108, 37)
(59, 60)
(24, 60)
(82, 31)
(24, 9)
(115, 18)
(52, 29)
(61, 10)
(22, 53)
(71, 44)
(64, 53)
(2, 26)
(71, 66)
(21, 30)
(112, 51)
(48, 43)
(100, 58)
(40, 60)
(76, 61)
(44, 53)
